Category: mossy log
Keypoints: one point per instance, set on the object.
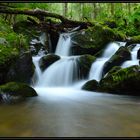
(41, 14)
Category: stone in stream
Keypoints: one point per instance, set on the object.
(117, 59)
(13, 92)
(91, 85)
(122, 81)
(47, 60)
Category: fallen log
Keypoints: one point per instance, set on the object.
(41, 14)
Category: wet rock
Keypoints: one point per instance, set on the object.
(13, 92)
(124, 81)
(138, 54)
(84, 65)
(117, 59)
(47, 60)
(91, 85)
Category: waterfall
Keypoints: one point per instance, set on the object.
(134, 60)
(97, 66)
(63, 72)
(63, 45)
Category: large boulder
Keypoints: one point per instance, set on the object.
(47, 60)
(124, 81)
(22, 69)
(15, 92)
(117, 59)
(91, 85)
(84, 65)
(94, 39)
(8, 56)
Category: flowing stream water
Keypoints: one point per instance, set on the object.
(62, 110)
(134, 60)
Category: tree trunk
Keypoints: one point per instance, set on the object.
(94, 10)
(129, 8)
(112, 9)
(65, 9)
(41, 15)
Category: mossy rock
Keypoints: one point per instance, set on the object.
(124, 81)
(84, 65)
(14, 92)
(11, 48)
(22, 69)
(117, 59)
(96, 38)
(113, 70)
(91, 85)
(47, 60)
(8, 56)
(110, 23)
(133, 40)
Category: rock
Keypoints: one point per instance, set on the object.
(53, 40)
(133, 40)
(110, 23)
(8, 56)
(15, 92)
(91, 85)
(117, 59)
(94, 39)
(47, 60)
(84, 64)
(124, 81)
(22, 69)
(113, 70)
(138, 54)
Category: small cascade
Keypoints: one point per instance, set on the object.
(134, 60)
(38, 72)
(97, 66)
(64, 44)
(61, 73)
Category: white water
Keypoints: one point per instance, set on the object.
(134, 60)
(63, 46)
(62, 73)
(97, 66)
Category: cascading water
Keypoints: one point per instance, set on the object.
(98, 65)
(60, 73)
(64, 44)
(63, 72)
(134, 60)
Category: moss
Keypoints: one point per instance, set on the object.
(114, 69)
(133, 40)
(123, 81)
(17, 89)
(97, 37)
(110, 23)
(85, 63)
(117, 59)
